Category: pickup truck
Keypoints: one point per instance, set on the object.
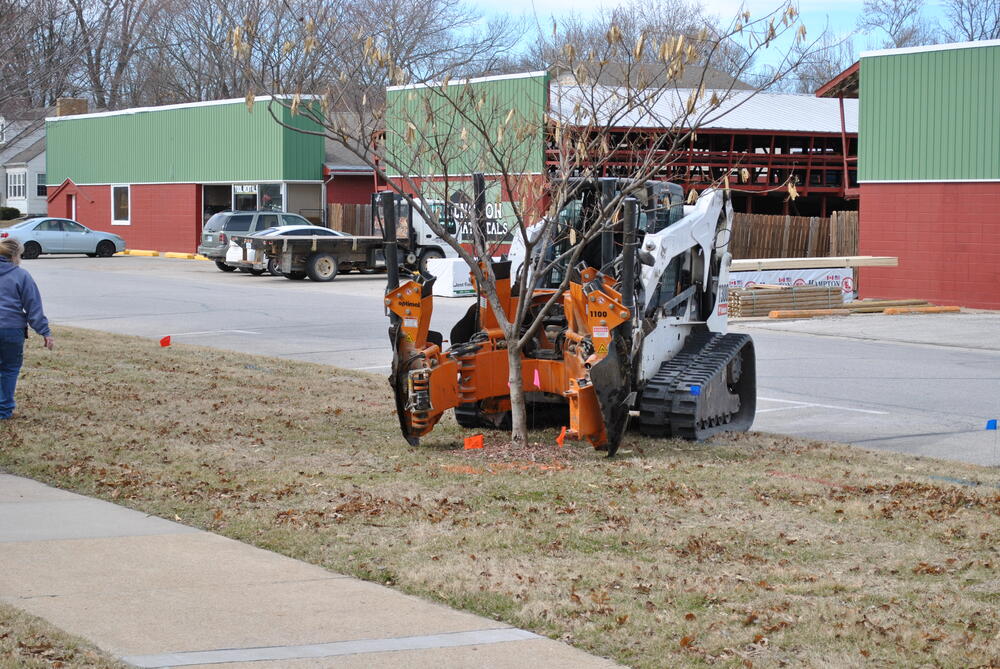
(321, 258)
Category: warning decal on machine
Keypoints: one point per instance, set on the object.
(601, 331)
(409, 322)
(602, 349)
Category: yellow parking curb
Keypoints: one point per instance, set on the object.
(167, 254)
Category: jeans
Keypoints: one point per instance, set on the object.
(11, 357)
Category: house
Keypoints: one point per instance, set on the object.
(22, 161)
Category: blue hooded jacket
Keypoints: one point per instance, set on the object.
(20, 301)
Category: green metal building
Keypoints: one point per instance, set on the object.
(154, 175)
(929, 170)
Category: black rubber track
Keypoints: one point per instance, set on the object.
(669, 409)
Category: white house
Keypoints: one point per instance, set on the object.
(22, 162)
(25, 180)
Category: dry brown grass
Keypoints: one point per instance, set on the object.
(748, 550)
(27, 642)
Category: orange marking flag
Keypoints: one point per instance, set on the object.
(473, 442)
(562, 437)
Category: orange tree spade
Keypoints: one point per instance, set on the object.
(433, 126)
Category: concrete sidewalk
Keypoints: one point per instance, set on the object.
(970, 329)
(160, 594)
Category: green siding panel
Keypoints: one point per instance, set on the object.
(198, 144)
(930, 116)
(303, 153)
(424, 127)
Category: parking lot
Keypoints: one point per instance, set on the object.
(923, 384)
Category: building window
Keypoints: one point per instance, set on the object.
(40, 189)
(270, 197)
(120, 197)
(15, 184)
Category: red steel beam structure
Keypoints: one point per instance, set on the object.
(817, 162)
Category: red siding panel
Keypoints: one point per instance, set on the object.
(163, 217)
(947, 238)
(350, 189)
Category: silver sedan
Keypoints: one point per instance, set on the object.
(61, 235)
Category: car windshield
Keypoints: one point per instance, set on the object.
(311, 230)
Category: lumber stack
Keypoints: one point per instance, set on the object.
(762, 301)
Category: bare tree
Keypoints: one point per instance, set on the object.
(900, 20)
(831, 56)
(37, 53)
(451, 127)
(972, 20)
(657, 20)
(112, 34)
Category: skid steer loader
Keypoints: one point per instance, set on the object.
(640, 331)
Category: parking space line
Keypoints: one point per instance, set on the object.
(821, 406)
(800, 406)
(208, 332)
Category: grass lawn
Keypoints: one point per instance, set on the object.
(28, 642)
(749, 550)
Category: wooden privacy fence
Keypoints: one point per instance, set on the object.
(844, 233)
(764, 236)
(754, 235)
(354, 219)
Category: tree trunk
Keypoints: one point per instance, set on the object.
(518, 412)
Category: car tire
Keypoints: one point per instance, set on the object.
(105, 249)
(322, 267)
(429, 254)
(224, 267)
(31, 250)
(295, 276)
(274, 267)
(257, 272)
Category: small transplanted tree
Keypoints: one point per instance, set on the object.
(620, 96)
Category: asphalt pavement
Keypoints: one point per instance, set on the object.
(922, 384)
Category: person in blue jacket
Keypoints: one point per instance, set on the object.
(20, 306)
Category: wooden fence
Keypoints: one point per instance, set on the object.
(754, 235)
(762, 236)
(354, 219)
(844, 233)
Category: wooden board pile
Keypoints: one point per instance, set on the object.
(762, 300)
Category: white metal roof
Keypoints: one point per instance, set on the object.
(741, 110)
(931, 47)
(475, 80)
(182, 105)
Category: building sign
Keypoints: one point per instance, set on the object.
(500, 217)
(245, 189)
